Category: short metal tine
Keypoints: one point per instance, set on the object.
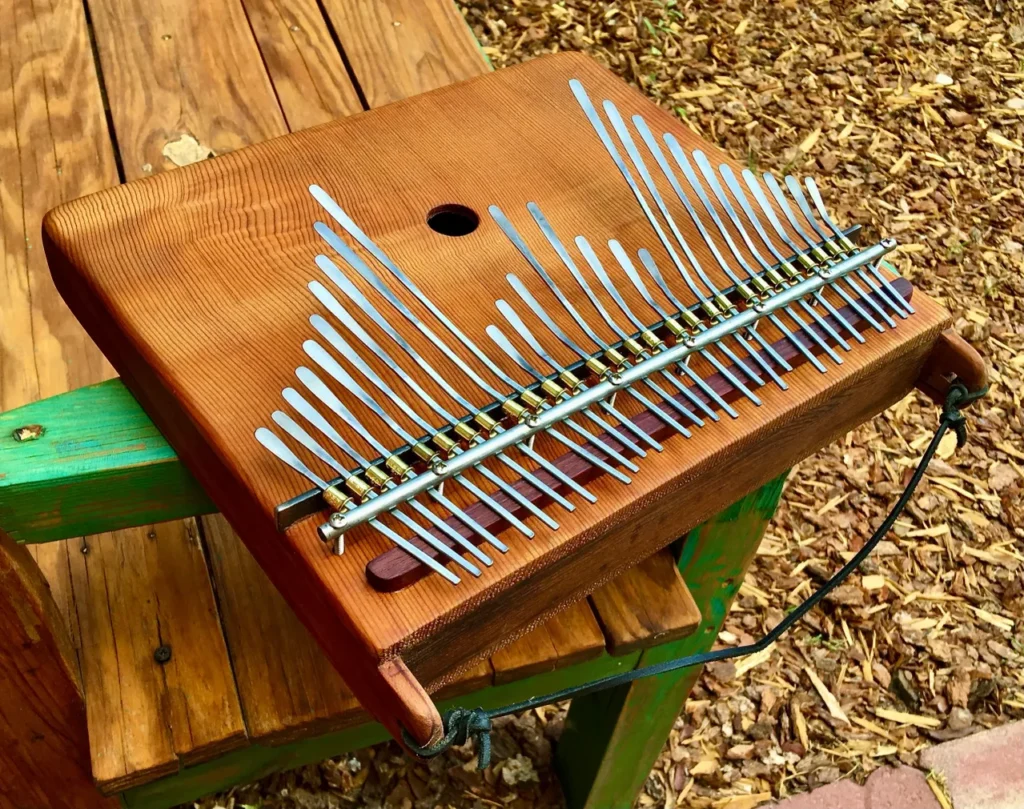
(882, 291)
(627, 266)
(652, 268)
(313, 416)
(570, 379)
(510, 232)
(652, 342)
(727, 175)
(758, 193)
(816, 252)
(776, 279)
(554, 328)
(752, 297)
(288, 424)
(278, 448)
(506, 345)
(895, 298)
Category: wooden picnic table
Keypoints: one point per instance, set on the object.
(114, 91)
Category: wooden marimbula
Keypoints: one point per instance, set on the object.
(451, 364)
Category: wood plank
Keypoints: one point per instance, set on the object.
(305, 67)
(399, 48)
(42, 714)
(648, 604)
(570, 637)
(177, 73)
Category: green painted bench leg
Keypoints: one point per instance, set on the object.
(613, 738)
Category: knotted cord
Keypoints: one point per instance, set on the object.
(462, 724)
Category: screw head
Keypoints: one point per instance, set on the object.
(162, 654)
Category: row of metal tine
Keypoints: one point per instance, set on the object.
(814, 241)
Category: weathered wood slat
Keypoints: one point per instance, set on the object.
(398, 48)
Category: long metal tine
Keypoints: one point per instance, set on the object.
(725, 172)
(698, 188)
(371, 278)
(289, 425)
(815, 251)
(332, 336)
(275, 445)
(708, 172)
(719, 301)
(520, 328)
(562, 337)
(352, 292)
(595, 121)
(627, 140)
(627, 266)
(513, 236)
(844, 244)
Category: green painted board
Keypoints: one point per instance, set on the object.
(89, 461)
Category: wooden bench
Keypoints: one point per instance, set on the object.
(245, 691)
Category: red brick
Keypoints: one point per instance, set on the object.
(983, 771)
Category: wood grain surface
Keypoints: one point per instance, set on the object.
(136, 256)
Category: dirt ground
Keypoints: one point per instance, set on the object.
(911, 116)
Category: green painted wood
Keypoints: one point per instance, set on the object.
(89, 461)
(612, 738)
(257, 761)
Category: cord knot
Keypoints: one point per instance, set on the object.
(956, 397)
(460, 725)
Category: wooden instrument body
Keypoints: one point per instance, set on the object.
(193, 283)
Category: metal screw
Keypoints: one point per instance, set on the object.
(162, 654)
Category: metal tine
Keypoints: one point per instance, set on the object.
(336, 340)
(353, 326)
(719, 301)
(627, 266)
(737, 191)
(357, 297)
(595, 121)
(331, 366)
(523, 330)
(708, 172)
(652, 144)
(371, 278)
(289, 425)
(312, 415)
(598, 269)
(276, 446)
(562, 337)
(698, 188)
(652, 268)
(797, 193)
(333, 403)
(903, 306)
(758, 193)
(563, 254)
(517, 240)
(506, 345)
(812, 248)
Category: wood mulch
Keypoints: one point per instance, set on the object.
(910, 114)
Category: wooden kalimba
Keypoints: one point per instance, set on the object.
(502, 341)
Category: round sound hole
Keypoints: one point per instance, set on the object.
(453, 220)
